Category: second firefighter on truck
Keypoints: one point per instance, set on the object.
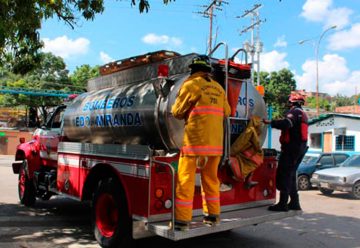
(202, 103)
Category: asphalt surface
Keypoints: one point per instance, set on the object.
(326, 222)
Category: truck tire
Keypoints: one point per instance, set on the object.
(356, 190)
(110, 218)
(304, 182)
(26, 188)
(326, 191)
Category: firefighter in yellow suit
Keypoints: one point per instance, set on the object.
(202, 103)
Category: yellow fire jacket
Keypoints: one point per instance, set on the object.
(202, 103)
(247, 149)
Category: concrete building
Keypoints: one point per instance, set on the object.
(335, 132)
(328, 133)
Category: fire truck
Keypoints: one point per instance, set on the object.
(117, 147)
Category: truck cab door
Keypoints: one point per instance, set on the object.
(49, 136)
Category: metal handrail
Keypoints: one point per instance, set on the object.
(239, 50)
(173, 190)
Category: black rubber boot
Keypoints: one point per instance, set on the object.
(294, 203)
(282, 205)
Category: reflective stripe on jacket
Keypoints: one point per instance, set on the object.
(202, 103)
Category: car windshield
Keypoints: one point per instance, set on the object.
(353, 161)
(309, 159)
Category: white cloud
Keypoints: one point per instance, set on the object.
(334, 76)
(345, 39)
(322, 11)
(316, 10)
(64, 47)
(154, 39)
(281, 42)
(339, 17)
(273, 61)
(105, 58)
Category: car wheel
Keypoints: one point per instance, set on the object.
(26, 188)
(303, 182)
(110, 219)
(356, 190)
(326, 191)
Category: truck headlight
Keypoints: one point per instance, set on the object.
(315, 176)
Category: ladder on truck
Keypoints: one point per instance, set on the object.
(229, 219)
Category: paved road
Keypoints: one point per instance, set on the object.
(326, 222)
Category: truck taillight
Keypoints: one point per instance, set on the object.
(159, 193)
(22, 140)
(163, 71)
(159, 205)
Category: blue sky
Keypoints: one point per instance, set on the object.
(121, 32)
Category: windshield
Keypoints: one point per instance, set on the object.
(353, 161)
(309, 159)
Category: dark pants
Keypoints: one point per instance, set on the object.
(289, 161)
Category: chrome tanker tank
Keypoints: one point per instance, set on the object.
(133, 106)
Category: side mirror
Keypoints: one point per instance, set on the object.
(318, 164)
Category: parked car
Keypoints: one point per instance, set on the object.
(344, 178)
(313, 162)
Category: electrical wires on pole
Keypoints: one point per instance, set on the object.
(255, 45)
(209, 13)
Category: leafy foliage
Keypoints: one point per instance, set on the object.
(341, 100)
(49, 75)
(82, 74)
(20, 22)
(323, 103)
(278, 86)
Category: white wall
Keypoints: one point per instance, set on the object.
(330, 124)
(275, 135)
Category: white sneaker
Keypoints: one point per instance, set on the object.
(225, 187)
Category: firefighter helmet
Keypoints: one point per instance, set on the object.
(201, 62)
(296, 98)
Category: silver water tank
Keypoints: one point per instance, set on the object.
(136, 112)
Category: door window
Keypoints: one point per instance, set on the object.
(340, 158)
(326, 160)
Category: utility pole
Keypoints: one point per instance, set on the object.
(355, 100)
(255, 45)
(209, 13)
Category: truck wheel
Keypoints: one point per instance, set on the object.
(356, 190)
(326, 191)
(25, 187)
(303, 182)
(110, 218)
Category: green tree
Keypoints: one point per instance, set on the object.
(341, 100)
(20, 22)
(82, 74)
(323, 103)
(51, 74)
(278, 86)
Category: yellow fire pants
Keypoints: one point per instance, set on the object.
(185, 187)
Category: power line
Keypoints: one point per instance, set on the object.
(209, 13)
(255, 45)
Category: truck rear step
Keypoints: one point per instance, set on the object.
(229, 220)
